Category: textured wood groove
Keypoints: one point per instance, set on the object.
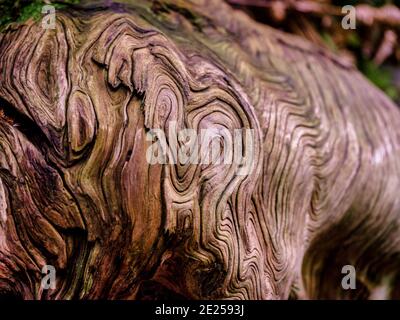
(77, 192)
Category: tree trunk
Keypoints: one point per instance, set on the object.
(316, 188)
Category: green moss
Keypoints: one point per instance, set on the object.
(22, 10)
(33, 10)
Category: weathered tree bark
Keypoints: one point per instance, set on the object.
(77, 192)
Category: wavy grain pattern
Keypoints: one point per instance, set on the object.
(77, 192)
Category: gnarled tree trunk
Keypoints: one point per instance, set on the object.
(77, 191)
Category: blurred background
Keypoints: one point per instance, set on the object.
(373, 46)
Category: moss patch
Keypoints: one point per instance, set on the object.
(22, 10)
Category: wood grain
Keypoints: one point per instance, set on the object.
(76, 191)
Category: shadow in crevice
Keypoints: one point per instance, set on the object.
(24, 124)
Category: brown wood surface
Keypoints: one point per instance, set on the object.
(76, 191)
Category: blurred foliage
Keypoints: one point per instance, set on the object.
(380, 75)
(373, 46)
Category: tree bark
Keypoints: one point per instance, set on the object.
(77, 191)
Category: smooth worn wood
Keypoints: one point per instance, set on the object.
(76, 191)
